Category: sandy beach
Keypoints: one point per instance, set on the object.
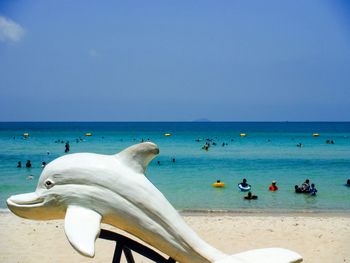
(318, 237)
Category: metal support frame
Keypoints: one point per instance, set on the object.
(127, 245)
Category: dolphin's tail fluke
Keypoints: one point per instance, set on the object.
(266, 255)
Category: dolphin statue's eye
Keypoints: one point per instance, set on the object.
(49, 184)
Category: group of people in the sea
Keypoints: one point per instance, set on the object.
(209, 142)
(66, 145)
(29, 164)
(77, 140)
(329, 141)
(207, 145)
(273, 187)
(172, 160)
(305, 188)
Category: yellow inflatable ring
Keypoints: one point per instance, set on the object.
(218, 185)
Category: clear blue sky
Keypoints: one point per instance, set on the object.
(232, 60)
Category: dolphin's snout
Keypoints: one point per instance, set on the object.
(24, 200)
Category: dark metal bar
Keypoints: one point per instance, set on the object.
(128, 255)
(117, 253)
(124, 242)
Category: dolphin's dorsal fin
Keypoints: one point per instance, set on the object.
(138, 156)
(82, 227)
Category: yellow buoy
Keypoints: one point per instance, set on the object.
(26, 134)
(167, 134)
(315, 134)
(243, 134)
(88, 134)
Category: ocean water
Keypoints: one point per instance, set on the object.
(267, 153)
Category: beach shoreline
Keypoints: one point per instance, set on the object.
(270, 213)
(317, 237)
(247, 213)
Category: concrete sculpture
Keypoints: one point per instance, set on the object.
(86, 189)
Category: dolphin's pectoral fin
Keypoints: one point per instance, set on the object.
(264, 255)
(138, 156)
(82, 227)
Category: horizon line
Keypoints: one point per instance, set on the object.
(199, 121)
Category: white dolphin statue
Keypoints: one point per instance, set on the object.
(86, 189)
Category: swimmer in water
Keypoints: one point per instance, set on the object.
(273, 186)
(67, 147)
(28, 164)
(244, 183)
(250, 196)
(313, 190)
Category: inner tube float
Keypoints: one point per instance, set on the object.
(88, 134)
(167, 134)
(315, 134)
(298, 190)
(218, 185)
(244, 188)
(302, 192)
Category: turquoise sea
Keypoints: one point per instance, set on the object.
(267, 153)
